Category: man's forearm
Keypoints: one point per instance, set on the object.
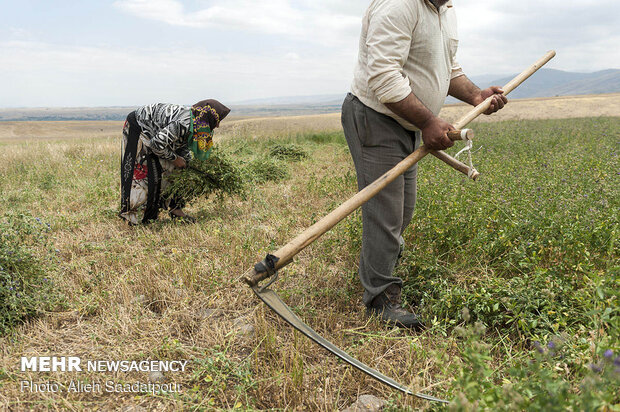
(463, 89)
(434, 130)
(412, 110)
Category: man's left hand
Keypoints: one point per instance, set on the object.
(498, 102)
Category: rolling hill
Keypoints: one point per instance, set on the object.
(550, 83)
(545, 83)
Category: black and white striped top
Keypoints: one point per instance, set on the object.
(165, 129)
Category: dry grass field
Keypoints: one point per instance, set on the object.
(520, 109)
(170, 291)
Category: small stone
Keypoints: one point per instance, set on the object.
(139, 300)
(209, 313)
(246, 330)
(156, 377)
(366, 403)
(243, 328)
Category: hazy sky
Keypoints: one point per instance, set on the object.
(132, 52)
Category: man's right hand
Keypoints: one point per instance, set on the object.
(180, 162)
(435, 133)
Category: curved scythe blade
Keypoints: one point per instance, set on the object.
(276, 304)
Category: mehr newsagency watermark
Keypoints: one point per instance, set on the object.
(60, 364)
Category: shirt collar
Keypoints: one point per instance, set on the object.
(442, 9)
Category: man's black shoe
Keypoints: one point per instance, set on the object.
(387, 307)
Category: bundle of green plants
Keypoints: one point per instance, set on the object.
(262, 170)
(288, 151)
(217, 175)
(26, 290)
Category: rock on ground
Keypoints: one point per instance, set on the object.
(210, 313)
(366, 403)
(156, 377)
(243, 328)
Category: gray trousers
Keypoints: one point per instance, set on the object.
(377, 143)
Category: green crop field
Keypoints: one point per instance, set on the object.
(516, 277)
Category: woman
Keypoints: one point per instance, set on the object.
(157, 139)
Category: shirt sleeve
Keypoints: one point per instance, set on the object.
(162, 143)
(457, 70)
(390, 31)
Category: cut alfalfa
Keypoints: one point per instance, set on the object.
(262, 170)
(288, 152)
(216, 175)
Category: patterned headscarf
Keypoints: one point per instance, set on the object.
(206, 116)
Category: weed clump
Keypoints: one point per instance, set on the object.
(327, 137)
(532, 252)
(288, 152)
(216, 175)
(25, 288)
(263, 170)
(540, 382)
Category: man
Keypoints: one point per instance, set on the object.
(405, 70)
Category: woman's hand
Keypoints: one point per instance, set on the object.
(180, 162)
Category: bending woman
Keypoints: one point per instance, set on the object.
(157, 139)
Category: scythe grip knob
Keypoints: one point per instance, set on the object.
(464, 134)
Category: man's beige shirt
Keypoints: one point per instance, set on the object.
(406, 46)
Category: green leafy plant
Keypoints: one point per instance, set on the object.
(262, 170)
(218, 375)
(326, 138)
(26, 289)
(288, 151)
(537, 383)
(529, 248)
(216, 175)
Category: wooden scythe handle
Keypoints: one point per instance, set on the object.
(465, 134)
(483, 107)
(286, 253)
(509, 87)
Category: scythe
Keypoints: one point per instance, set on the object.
(269, 267)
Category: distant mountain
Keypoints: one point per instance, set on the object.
(544, 83)
(64, 113)
(296, 109)
(550, 83)
(294, 100)
(289, 105)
